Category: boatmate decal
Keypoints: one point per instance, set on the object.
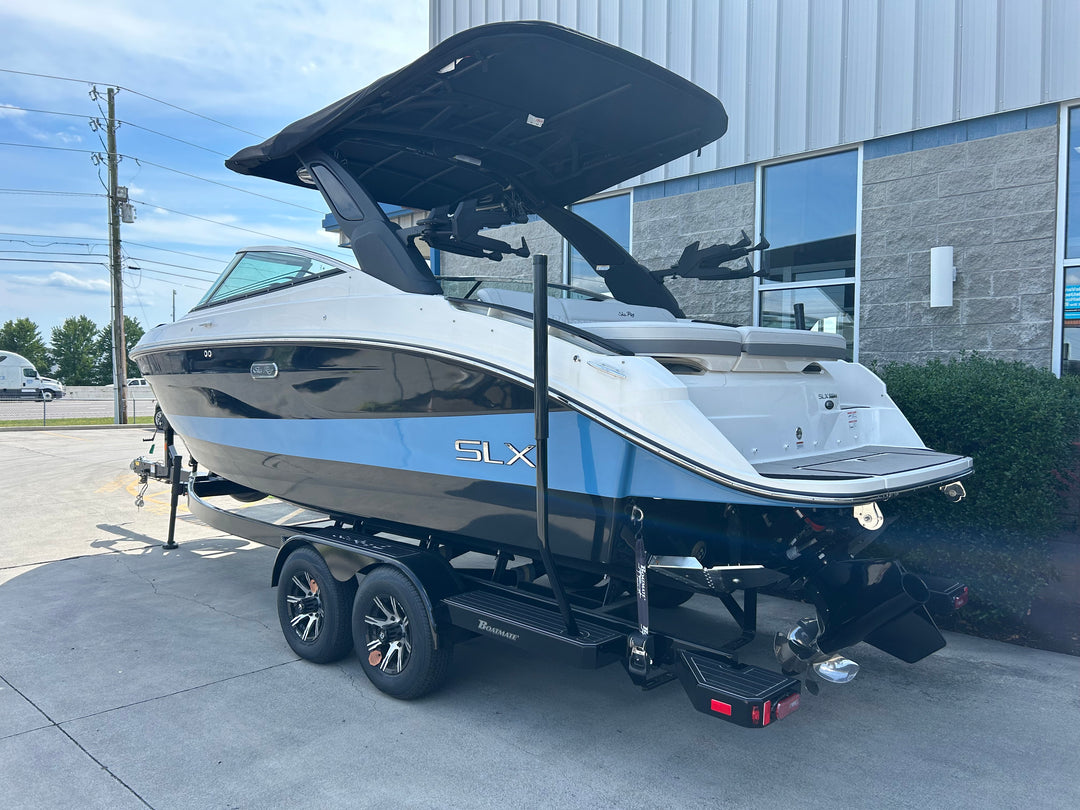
(497, 631)
(476, 450)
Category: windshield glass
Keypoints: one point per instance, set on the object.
(261, 271)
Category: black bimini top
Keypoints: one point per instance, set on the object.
(528, 104)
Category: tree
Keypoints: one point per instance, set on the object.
(73, 351)
(133, 331)
(22, 337)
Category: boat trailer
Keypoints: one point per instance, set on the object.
(404, 616)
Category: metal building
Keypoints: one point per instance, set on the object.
(863, 135)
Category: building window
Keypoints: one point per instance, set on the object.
(612, 216)
(1070, 342)
(808, 213)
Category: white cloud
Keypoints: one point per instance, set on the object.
(66, 281)
(227, 230)
(257, 65)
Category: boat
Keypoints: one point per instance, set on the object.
(685, 456)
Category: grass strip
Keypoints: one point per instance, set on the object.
(85, 420)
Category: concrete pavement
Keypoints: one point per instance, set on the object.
(135, 677)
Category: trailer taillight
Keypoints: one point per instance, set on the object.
(960, 599)
(787, 706)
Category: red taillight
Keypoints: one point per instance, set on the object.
(755, 715)
(720, 708)
(961, 600)
(787, 706)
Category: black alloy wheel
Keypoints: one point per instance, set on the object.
(314, 608)
(393, 636)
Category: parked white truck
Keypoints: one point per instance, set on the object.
(20, 380)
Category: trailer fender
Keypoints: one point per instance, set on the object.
(432, 575)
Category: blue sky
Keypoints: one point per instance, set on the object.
(256, 66)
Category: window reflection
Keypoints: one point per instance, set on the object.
(1072, 190)
(612, 216)
(808, 216)
(821, 309)
(1070, 342)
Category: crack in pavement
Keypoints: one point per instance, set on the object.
(191, 599)
(80, 746)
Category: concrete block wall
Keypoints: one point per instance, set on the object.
(541, 238)
(663, 227)
(994, 200)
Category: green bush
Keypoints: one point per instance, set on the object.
(1019, 425)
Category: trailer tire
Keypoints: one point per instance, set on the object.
(160, 422)
(250, 496)
(393, 636)
(314, 608)
(662, 596)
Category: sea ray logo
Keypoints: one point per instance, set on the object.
(497, 631)
(480, 451)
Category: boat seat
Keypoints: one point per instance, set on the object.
(575, 310)
(764, 341)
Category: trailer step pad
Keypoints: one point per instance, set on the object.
(747, 695)
(534, 627)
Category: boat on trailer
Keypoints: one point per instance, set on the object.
(602, 449)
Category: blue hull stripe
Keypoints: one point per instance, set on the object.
(583, 456)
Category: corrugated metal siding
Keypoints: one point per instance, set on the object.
(801, 75)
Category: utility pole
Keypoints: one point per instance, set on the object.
(116, 272)
(174, 305)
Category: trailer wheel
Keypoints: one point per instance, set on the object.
(313, 608)
(662, 596)
(248, 496)
(160, 422)
(393, 636)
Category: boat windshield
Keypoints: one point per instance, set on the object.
(258, 271)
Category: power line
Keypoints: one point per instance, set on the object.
(223, 224)
(52, 236)
(51, 148)
(89, 239)
(214, 273)
(192, 112)
(46, 76)
(178, 252)
(48, 253)
(171, 275)
(136, 93)
(44, 112)
(48, 193)
(119, 121)
(141, 161)
(173, 138)
(51, 261)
